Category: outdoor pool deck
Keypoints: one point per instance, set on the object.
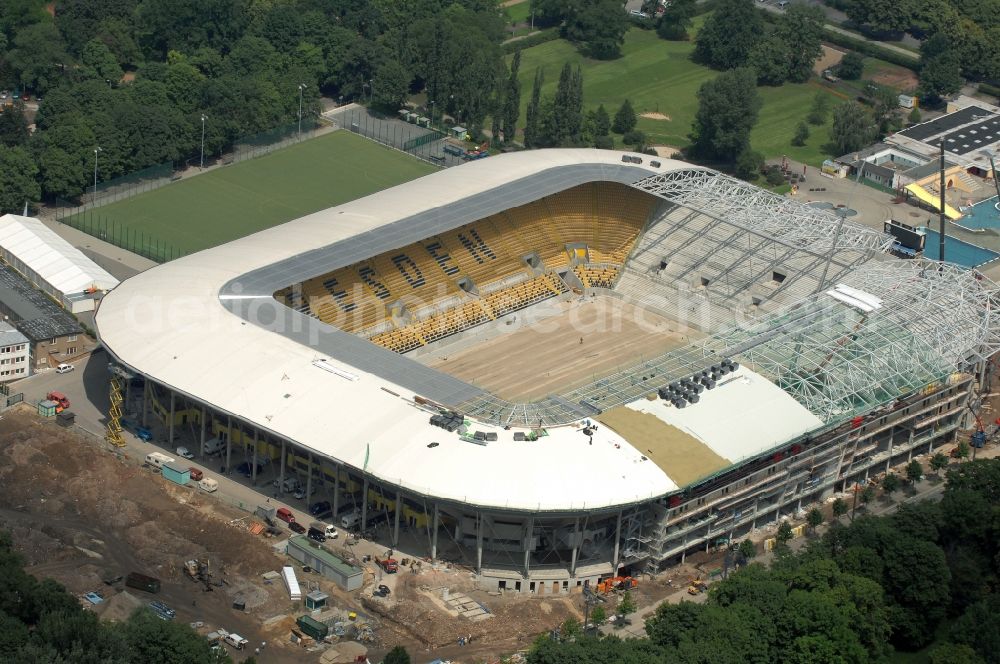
(981, 216)
(956, 251)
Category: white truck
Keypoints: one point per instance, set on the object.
(157, 460)
(350, 519)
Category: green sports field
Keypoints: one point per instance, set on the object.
(230, 202)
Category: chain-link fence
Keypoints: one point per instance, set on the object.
(419, 140)
(84, 214)
(258, 145)
(92, 222)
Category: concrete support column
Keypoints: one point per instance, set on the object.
(395, 524)
(434, 533)
(253, 468)
(684, 550)
(479, 543)
(170, 426)
(576, 547)
(364, 505)
(145, 402)
(336, 488)
(281, 474)
(529, 535)
(201, 446)
(618, 537)
(309, 476)
(229, 444)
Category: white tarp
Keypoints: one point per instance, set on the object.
(36, 251)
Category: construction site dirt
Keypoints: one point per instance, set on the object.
(86, 515)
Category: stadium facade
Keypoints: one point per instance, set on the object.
(817, 362)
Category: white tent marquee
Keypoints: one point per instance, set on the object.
(52, 264)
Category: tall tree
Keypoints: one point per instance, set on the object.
(800, 27)
(883, 16)
(851, 66)
(18, 183)
(729, 35)
(602, 123)
(532, 118)
(512, 99)
(853, 127)
(727, 110)
(676, 20)
(625, 118)
(940, 69)
(599, 26)
(13, 125)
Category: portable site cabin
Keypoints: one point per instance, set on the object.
(347, 576)
(176, 473)
(292, 583)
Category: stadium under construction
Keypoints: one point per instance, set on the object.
(806, 361)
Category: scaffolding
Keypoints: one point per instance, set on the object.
(113, 433)
(835, 359)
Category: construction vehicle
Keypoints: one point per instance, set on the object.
(388, 564)
(616, 584)
(697, 586)
(199, 571)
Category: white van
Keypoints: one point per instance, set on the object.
(208, 485)
(157, 460)
(350, 519)
(213, 446)
(236, 641)
(291, 484)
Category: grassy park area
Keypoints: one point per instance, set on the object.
(662, 82)
(234, 201)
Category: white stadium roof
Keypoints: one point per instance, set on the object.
(207, 326)
(31, 247)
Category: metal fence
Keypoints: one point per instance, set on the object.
(84, 214)
(425, 143)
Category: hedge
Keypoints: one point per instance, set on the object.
(547, 35)
(868, 48)
(989, 89)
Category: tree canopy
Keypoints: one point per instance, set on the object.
(849, 596)
(727, 110)
(41, 622)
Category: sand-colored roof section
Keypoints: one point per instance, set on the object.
(680, 455)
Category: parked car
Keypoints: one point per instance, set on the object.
(245, 470)
(296, 527)
(320, 507)
(285, 515)
(64, 368)
(184, 453)
(300, 493)
(196, 474)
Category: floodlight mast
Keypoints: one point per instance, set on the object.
(941, 216)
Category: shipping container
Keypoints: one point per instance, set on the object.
(176, 473)
(142, 582)
(312, 627)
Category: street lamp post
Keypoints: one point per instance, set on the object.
(431, 103)
(302, 86)
(96, 150)
(203, 118)
(371, 91)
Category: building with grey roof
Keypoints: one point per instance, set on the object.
(54, 334)
(15, 351)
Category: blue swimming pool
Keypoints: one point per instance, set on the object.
(956, 251)
(980, 216)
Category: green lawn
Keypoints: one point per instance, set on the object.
(658, 76)
(519, 13)
(230, 202)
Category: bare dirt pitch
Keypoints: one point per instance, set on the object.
(554, 347)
